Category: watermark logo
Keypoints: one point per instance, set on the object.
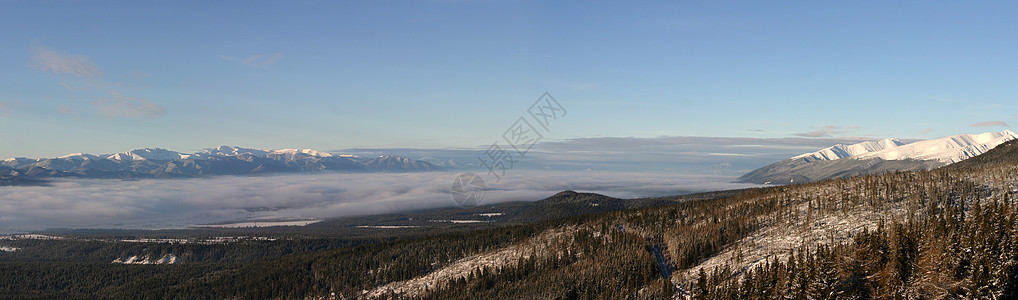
(468, 189)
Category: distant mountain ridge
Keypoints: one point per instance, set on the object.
(842, 151)
(223, 160)
(948, 150)
(876, 157)
(12, 177)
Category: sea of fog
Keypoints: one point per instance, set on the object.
(177, 203)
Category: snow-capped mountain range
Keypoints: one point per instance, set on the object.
(950, 149)
(163, 154)
(840, 151)
(878, 156)
(223, 160)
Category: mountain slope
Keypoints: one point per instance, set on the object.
(877, 157)
(1006, 153)
(799, 171)
(12, 177)
(397, 163)
(146, 154)
(948, 150)
(842, 151)
(231, 151)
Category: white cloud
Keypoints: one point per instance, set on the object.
(66, 109)
(119, 105)
(4, 107)
(261, 60)
(990, 123)
(926, 130)
(677, 155)
(829, 130)
(72, 64)
(137, 75)
(251, 59)
(86, 78)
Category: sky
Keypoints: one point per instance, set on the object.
(110, 76)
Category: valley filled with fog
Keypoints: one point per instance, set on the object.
(177, 203)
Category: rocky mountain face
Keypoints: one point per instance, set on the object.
(12, 177)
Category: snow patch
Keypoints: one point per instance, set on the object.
(260, 224)
(30, 237)
(387, 226)
(134, 259)
(503, 257)
(310, 152)
(458, 221)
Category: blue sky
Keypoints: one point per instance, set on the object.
(109, 76)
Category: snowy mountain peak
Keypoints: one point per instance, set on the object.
(310, 152)
(148, 154)
(18, 160)
(877, 157)
(79, 155)
(398, 162)
(949, 150)
(840, 151)
(159, 154)
(232, 151)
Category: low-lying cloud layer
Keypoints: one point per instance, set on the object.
(710, 156)
(179, 203)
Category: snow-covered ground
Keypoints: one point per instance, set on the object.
(260, 224)
(503, 257)
(204, 241)
(137, 260)
(458, 221)
(797, 227)
(29, 237)
(775, 242)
